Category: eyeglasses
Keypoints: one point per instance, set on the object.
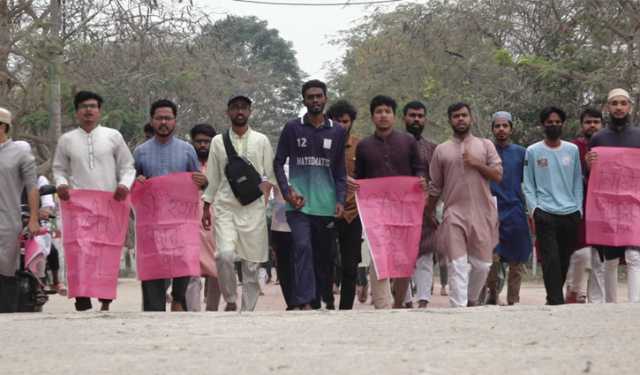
(88, 106)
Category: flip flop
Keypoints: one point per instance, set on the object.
(60, 288)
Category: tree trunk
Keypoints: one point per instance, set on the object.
(5, 47)
(54, 72)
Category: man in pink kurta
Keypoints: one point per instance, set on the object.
(460, 172)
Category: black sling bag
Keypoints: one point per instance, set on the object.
(241, 174)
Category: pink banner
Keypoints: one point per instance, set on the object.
(94, 227)
(391, 210)
(613, 198)
(167, 227)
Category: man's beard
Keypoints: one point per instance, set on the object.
(461, 132)
(620, 123)
(312, 111)
(239, 123)
(203, 155)
(415, 129)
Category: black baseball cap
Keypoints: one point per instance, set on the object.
(239, 96)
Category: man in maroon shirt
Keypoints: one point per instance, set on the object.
(388, 152)
(585, 257)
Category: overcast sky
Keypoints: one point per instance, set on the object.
(309, 28)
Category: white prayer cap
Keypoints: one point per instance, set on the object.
(5, 116)
(23, 145)
(503, 115)
(619, 92)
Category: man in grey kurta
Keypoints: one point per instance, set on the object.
(17, 172)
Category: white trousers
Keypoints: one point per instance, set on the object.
(467, 277)
(380, 290)
(596, 292)
(423, 277)
(408, 297)
(225, 261)
(632, 257)
(194, 294)
(579, 264)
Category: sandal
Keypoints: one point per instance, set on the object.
(59, 288)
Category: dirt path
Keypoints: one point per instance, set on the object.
(527, 339)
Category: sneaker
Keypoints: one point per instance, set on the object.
(422, 304)
(443, 290)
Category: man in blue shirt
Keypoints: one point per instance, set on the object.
(162, 155)
(515, 241)
(315, 192)
(554, 192)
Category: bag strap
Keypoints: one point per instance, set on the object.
(228, 147)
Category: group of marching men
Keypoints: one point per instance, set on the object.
(494, 193)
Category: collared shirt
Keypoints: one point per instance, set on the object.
(553, 178)
(17, 172)
(316, 164)
(395, 155)
(350, 206)
(153, 159)
(98, 160)
(253, 146)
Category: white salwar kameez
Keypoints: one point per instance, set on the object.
(240, 231)
(99, 160)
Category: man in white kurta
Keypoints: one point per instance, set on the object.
(240, 231)
(92, 157)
